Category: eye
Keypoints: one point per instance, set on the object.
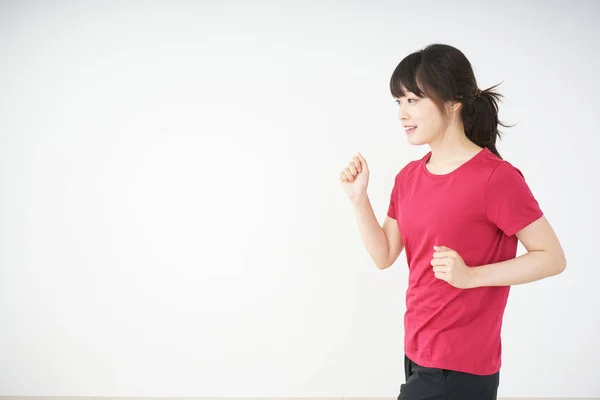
(410, 101)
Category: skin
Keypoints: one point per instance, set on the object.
(450, 148)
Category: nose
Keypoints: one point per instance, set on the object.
(402, 115)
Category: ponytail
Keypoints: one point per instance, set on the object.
(480, 118)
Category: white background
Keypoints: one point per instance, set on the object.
(171, 222)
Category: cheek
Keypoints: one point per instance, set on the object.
(435, 121)
(426, 115)
(433, 115)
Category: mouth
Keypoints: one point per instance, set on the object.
(409, 129)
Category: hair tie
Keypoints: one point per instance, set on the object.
(477, 93)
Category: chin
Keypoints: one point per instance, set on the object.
(416, 141)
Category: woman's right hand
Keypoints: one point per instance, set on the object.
(355, 177)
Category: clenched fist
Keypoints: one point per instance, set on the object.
(355, 177)
(449, 266)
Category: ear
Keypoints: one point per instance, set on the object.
(453, 106)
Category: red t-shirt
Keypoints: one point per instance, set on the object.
(476, 210)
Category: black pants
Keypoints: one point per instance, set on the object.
(442, 384)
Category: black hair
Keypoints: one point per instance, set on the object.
(443, 73)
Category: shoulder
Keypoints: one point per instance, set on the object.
(509, 201)
(408, 169)
(496, 168)
(506, 182)
(505, 173)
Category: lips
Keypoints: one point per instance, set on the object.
(409, 129)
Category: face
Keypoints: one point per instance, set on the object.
(421, 119)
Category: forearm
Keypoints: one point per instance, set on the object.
(529, 267)
(372, 234)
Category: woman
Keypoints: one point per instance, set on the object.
(459, 213)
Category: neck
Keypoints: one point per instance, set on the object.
(451, 145)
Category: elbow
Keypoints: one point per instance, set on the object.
(560, 263)
(383, 265)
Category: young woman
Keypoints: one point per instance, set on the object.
(459, 213)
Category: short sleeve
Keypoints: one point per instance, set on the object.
(392, 205)
(509, 202)
(392, 209)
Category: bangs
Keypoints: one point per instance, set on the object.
(411, 76)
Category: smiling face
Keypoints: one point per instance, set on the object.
(421, 119)
(436, 89)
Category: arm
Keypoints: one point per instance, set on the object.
(384, 244)
(544, 258)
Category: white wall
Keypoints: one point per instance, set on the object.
(171, 222)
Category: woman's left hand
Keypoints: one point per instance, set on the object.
(449, 266)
